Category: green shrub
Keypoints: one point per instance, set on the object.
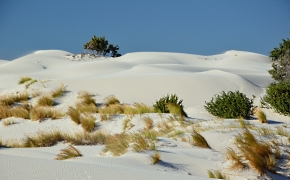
(230, 105)
(160, 105)
(278, 96)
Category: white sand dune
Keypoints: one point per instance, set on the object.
(135, 77)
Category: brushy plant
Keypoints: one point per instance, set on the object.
(83, 108)
(86, 97)
(24, 79)
(237, 161)
(74, 115)
(67, 153)
(175, 109)
(230, 105)
(45, 100)
(111, 100)
(160, 105)
(7, 100)
(88, 122)
(199, 140)
(117, 144)
(215, 174)
(278, 96)
(143, 108)
(58, 92)
(39, 113)
(5, 112)
(19, 112)
(148, 122)
(155, 158)
(261, 115)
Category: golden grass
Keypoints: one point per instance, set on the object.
(117, 144)
(148, 122)
(176, 110)
(282, 132)
(74, 115)
(83, 108)
(108, 112)
(39, 113)
(125, 123)
(45, 100)
(24, 79)
(16, 111)
(140, 143)
(155, 158)
(86, 97)
(111, 100)
(216, 174)
(35, 93)
(164, 128)
(58, 92)
(236, 160)
(5, 112)
(88, 122)
(143, 108)
(149, 134)
(261, 115)
(7, 100)
(29, 83)
(199, 140)
(69, 152)
(8, 122)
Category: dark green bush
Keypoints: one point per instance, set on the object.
(160, 105)
(230, 105)
(278, 96)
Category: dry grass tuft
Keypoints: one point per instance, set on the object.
(176, 110)
(125, 123)
(8, 122)
(7, 100)
(74, 115)
(19, 112)
(282, 132)
(24, 79)
(88, 122)
(111, 100)
(143, 108)
(142, 144)
(58, 92)
(155, 158)
(109, 111)
(67, 153)
(117, 144)
(236, 160)
(164, 127)
(216, 174)
(39, 113)
(5, 112)
(83, 108)
(86, 97)
(45, 100)
(148, 122)
(199, 140)
(261, 115)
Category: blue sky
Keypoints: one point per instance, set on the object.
(203, 27)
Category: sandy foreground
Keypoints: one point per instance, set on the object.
(141, 77)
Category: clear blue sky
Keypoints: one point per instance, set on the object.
(203, 27)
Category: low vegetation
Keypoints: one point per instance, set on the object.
(155, 158)
(216, 174)
(45, 100)
(40, 113)
(260, 115)
(58, 92)
(199, 140)
(69, 152)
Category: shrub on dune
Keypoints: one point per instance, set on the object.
(155, 158)
(111, 100)
(24, 79)
(199, 140)
(230, 105)
(74, 115)
(19, 112)
(86, 97)
(39, 113)
(88, 122)
(260, 115)
(69, 152)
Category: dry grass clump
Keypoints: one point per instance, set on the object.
(16, 111)
(199, 140)
(39, 113)
(237, 160)
(111, 100)
(108, 112)
(141, 143)
(5, 112)
(125, 123)
(8, 122)
(143, 108)
(150, 134)
(83, 108)
(88, 122)
(86, 97)
(215, 174)
(155, 158)
(282, 132)
(74, 115)
(58, 92)
(164, 128)
(45, 100)
(259, 155)
(7, 100)
(176, 110)
(29, 83)
(148, 122)
(67, 153)
(24, 79)
(261, 115)
(117, 144)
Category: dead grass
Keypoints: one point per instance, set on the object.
(58, 92)
(86, 97)
(148, 122)
(45, 100)
(237, 162)
(40, 113)
(7, 100)
(16, 111)
(74, 115)
(143, 108)
(155, 158)
(261, 115)
(125, 123)
(4, 112)
(83, 108)
(117, 144)
(140, 143)
(282, 132)
(67, 153)
(111, 100)
(29, 83)
(24, 79)
(164, 128)
(8, 122)
(199, 140)
(88, 122)
(108, 112)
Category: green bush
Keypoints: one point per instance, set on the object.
(278, 96)
(230, 105)
(160, 105)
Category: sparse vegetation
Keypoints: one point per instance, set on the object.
(24, 79)
(74, 115)
(88, 122)
(39, 113)
(58, 92)
(199, 140)
(67, 153)
(230, 105)
(7, 122)
(111, 100)
(215, 174)
(261, 115)
(117, 144)
(45, 100)
(155, 158)
(148, 122)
